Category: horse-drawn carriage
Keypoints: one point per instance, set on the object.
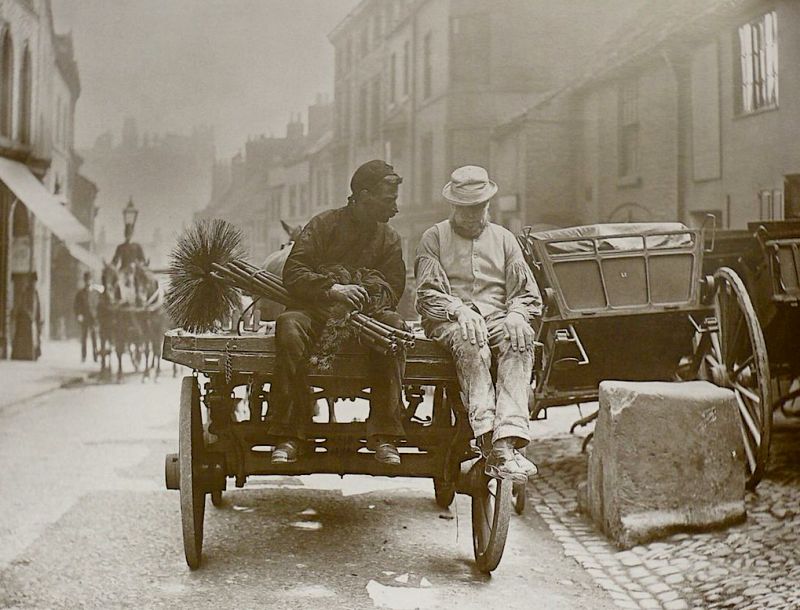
(622, 302)
(131, 319)
(766, 256)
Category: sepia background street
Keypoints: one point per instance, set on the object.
(85, 521)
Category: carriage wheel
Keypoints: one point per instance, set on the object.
(190, 449)
(491, 512)
(444, 493)
(738, 360)
(518, 496)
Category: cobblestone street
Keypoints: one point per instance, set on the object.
(755, 565)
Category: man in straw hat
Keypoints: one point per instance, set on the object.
(355, 236)
(477, 296)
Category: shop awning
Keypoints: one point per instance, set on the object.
(44, 205)
(90, 259)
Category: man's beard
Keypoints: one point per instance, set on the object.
(469, 232)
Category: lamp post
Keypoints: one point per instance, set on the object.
(130, 213)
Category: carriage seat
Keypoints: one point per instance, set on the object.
(657, 234)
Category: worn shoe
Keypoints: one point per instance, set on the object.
(529, 467)
(386, 453)
(286, 452)
(502, 463)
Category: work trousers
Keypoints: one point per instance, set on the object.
(502, 407)
(291, 405)
(88, 329)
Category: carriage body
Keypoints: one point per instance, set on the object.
(621, 301)
(766, 256)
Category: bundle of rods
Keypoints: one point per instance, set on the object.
(258, 282)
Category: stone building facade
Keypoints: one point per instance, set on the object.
(39, 87)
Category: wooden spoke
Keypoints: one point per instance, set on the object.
(752, 396)
(748, 419)
(739, 349)
(748, 451)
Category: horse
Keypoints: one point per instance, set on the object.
(270, 310)
(117, 319)
(153, 318)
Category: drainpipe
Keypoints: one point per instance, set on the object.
(680, 191)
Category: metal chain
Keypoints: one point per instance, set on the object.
(226, 364)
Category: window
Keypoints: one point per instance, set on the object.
(426, 171)
(770, 204)
(427, 75)
(375, 111)
(758, 57)
(629, 129)
(377, 30)
(364, 44)
(344, 119)
(406, 66)
(392, 77)
(7, 84)
(26, 85)
(470, 48)
(363, 114)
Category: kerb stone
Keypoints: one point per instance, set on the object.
(665, 457)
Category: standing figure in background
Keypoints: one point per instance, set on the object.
(27, 317)
(86, 301)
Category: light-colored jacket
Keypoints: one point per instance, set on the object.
(488, 273)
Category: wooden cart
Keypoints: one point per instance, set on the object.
(215, 448)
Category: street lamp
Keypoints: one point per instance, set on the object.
(130, 213)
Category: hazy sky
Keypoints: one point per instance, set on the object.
(241, 66)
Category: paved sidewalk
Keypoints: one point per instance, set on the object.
(752, 566)
(59, 365)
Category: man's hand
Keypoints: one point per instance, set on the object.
(473, 326)
(353, 294)
(518, 331)
(80, 318)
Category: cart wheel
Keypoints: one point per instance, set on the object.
(491, 512)
(216, 498)
(444, 493)
(190, 449)
(738, 360)
(518, 494)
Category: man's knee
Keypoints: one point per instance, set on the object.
(392, 318)
(466, 351)
(292, 331)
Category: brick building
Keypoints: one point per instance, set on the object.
(423, 84)
(690, 110)
(277, 178)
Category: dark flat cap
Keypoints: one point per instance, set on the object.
(370, 174)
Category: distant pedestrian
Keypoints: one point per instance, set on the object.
(27, 318)
(86, 301)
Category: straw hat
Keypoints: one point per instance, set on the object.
(469, 185)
